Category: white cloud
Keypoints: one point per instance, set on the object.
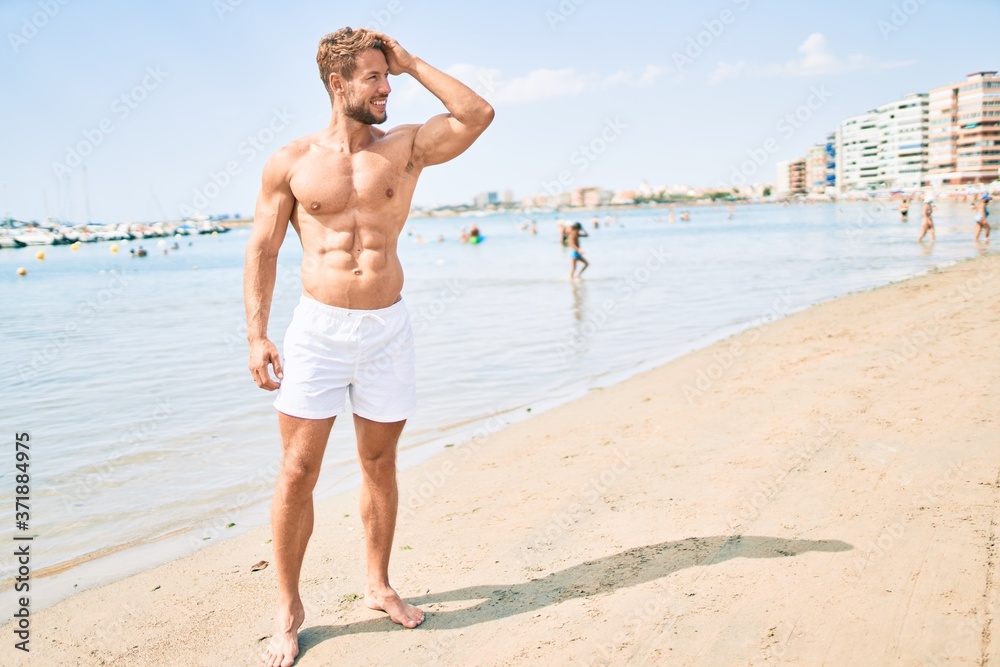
(815, 58)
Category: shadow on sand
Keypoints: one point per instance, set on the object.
(629, 568)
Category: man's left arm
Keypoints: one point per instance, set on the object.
(445, 136)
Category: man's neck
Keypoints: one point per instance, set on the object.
(346, 133)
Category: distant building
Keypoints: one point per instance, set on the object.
(485, 199)
(903, 141)
(965, 131)
(816, 169)
(942, 152)
(858, 153)
(783, 180)
(797, 176)
(791, 178)
(590, 197)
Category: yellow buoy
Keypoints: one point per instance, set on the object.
(114, 248)
(215, 233)
(75, 246)
(21, 271)
(40, 255)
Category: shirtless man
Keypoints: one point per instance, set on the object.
(573, 235)
(928, 220)
(983, 216)
(346, 191)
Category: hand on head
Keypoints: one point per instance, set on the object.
(398, 59)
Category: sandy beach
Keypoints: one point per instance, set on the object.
(823, 490)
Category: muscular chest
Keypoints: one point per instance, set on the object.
(329, 184)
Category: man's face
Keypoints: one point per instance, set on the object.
(368, 90)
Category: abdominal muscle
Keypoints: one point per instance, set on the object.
(354, 267)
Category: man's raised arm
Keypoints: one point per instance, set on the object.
(446, 136)
(270, 223)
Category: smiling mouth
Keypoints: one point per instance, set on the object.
(379, 104)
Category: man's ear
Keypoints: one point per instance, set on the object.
(336, 83)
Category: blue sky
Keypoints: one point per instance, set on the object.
(177, 105)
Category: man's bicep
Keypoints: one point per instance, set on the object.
(442, 138)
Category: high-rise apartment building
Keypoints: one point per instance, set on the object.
(797, 176)
(964, 136)
(903, 130)
(858, 153)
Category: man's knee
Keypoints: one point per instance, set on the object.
(298, 474)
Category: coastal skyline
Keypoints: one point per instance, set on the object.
(127, 114)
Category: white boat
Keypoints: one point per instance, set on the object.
(36, 237)
(10, 242)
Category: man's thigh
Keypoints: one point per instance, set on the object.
(304, 440)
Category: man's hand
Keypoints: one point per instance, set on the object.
(396, 56)
(262, 353)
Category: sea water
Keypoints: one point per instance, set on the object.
(149, 438)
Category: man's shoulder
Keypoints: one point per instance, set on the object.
(283, 160)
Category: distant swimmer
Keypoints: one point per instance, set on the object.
(928, 219)
(904, 209)
(672, 219)
(596, 222)
(983, 216)
(575, 233)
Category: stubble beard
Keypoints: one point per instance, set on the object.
(361, 113)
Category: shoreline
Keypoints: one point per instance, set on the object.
(443, 488)
(117, 562)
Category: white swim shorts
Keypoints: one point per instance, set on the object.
(330, 352)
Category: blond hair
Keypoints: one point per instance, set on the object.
(338, 52)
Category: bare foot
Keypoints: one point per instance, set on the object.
(399, 610)
(283, 648)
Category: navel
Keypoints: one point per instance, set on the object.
(357, 272)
